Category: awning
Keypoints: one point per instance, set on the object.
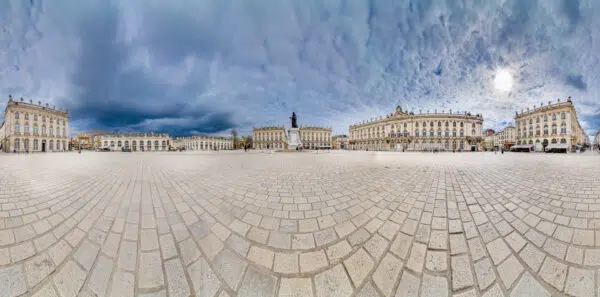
(557, 146)
(529, 146)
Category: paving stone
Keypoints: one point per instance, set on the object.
(498, 250)
(554, 273)
(527, 286)
(462, 275)
(312, 261)
(434, 286)
(436, 261)
(230, 267)
(178, 286)
(580, 282)
(509, 271)
(484, 273)
(69, 279)
(386, 273)
(286, 263)
(295, 287)
(333, 283)
(261, 256)
(150, 274)
(38, 268)
(417, 257)
(409, 285)
(12, 281)
(359, 265)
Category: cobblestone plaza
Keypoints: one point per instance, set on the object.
(303, 224)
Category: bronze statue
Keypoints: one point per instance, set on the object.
(294, 124)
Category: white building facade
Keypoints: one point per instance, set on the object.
(554, 123)
(31, 127)
(136, 142)
(407, 131)
(204, 143)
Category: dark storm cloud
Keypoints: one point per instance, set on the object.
(577, 82)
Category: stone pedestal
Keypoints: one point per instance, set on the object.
(293, 139)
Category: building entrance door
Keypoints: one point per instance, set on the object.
(44, 146)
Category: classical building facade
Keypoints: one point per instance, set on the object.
(340, 142)
(205, 143)
(597, 140)
(269, 138)
(555, 123)
(31, 127)
(503, 139)
(315, 137)
(141, 142)
(408, 131)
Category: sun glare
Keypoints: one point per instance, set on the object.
(503, 81)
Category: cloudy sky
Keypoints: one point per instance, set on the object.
(206, 66)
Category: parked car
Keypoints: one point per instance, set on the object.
(128, 150)
(105, 149)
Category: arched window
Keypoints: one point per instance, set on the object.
(26, 130)
(447, 134)
(17, 127)
(537, 120)
(35, 145)
(462, 133)
(545, 129)
(51, 145)
(431, 133)
(404, 125)
(164, 145)
(554, 117)
(563, 115)
(64, 132)
(57, 145)
(447, 124)
(530, 121)
(553, 140)
(461, 124)
(416, 132)
(17, 144)
(424, 132)
(439, 134)
(473, 132)
(112, 143)
(105, 143)
(51, 131)
(453, 124)
(431, 124)
(554, 129)
(26, 116)
(149, 145)
(454, 132)
(439, 124)
(119, 143)
(126, 143)
(545, 118)
(16, 117)
(156, 145)
(563, 128)
(563, 140)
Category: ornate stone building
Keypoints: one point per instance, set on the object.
(316, 137)
(205, 143)
(597, 140)
(503, 139)
(31, 127)
(408, 131)
(141, 142)
(340, 142)
(269, 138)
(550, 124)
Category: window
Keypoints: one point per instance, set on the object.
(17, 144)
(416, 132)
(563, 128)
(35, 129)
(439, 124)
(530, 121)
(473, 126)
(473, 132)
(453, 133)
(26, 128)
(447, 133)
(64, 134)
(156, 145)
(462, 133)
(447, 124)
(44, 130)
(35, 144)
(17, 128)
(431, 124)
(35, 117)
(439, 133)
(431, 133)
(126, 143)
(112, 143)
(545, 118)
(424, 133)
(554, 117)
(119, 143)
(545, 129)
(105, 143)
(26, 116)
(563, 115)
(554, 130)
(563, 140)
(51, 131)
(461, 125)
(537, 120)
(16, 117)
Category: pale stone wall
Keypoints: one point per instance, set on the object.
(31, 127)
(315, 137)
(136, 142)
(203, 143)
(269, 138)
(419, 132)
(553, 123)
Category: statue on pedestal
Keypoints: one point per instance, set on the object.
(294, 124)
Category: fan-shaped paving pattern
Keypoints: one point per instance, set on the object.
(303, 224)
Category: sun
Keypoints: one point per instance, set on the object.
(503, 81)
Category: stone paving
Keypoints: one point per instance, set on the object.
(299, 224)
